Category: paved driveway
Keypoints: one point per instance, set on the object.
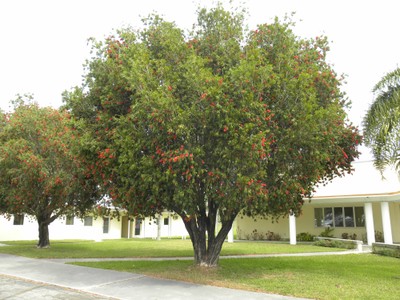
(13, 288)
(26, 278)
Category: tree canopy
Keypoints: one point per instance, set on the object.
(382, 121)
(41, 173)
(217, 121)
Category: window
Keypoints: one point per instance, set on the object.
(338, 211)
(88, 221)
(106, 224)
(319, 217)
(166, 221)
(323, 217)
(359, 216)
(18, 219)
(137, 226)
(339, 217)
(328, 217)
(69, 220)
(349, 216)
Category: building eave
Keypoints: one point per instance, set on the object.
(357, 198)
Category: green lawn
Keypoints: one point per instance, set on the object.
(354, 276)
(351, 276)
(145, 248)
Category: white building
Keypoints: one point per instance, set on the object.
(361, 204)
(22, 227)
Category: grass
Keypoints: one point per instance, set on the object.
(144, 248)
(355, 276)
(352, 276)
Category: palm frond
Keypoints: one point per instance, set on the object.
(389, 80)
(382, 122)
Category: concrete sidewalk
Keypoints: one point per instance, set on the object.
(55, 280)
(13, 288)
(302, 254)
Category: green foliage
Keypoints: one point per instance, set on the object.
(272, 236)
(268, 236)
(348, 236)
(335, 244)
(382, 121)
(305, 237)
(328, 232)
(386, 250)
(219, 120)
(379, 236)
(41, 173)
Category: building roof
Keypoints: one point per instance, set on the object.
(366, 182)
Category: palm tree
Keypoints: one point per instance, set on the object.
(382, 122)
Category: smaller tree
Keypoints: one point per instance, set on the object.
(41, 173)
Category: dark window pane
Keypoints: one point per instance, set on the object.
(318, 217)
(18, 219)
(69, 220)
(348, 217)
(106, 224)
(137, 226)
(360, 217)
(328, 217)
(338, 216)
(88, 221)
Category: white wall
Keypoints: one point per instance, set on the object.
(10, 232)
(58, 230)
(175, 227)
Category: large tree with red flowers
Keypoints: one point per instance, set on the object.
(41, 171)
(215, 122)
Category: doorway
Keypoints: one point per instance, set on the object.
(138, 223)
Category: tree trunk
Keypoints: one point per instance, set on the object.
(198, 238)
(44, 241)
(207, 247)
(214, 248)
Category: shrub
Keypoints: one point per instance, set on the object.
(379, 237)
(269, 236)
(273, 236)
(386, 250)
(328, 232)
(335, 244)
(353, 236)
(305, 237)
(255, 235)
(347, 236)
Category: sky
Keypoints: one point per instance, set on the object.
(43, 43)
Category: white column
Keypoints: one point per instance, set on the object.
(369, 223)
(99, 235)
(292, 229)
(387, 227)
(230, 235)
(129, 227)
(159, 226)
(169, 225)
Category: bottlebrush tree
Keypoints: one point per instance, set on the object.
(41, 172)
(213, 123)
